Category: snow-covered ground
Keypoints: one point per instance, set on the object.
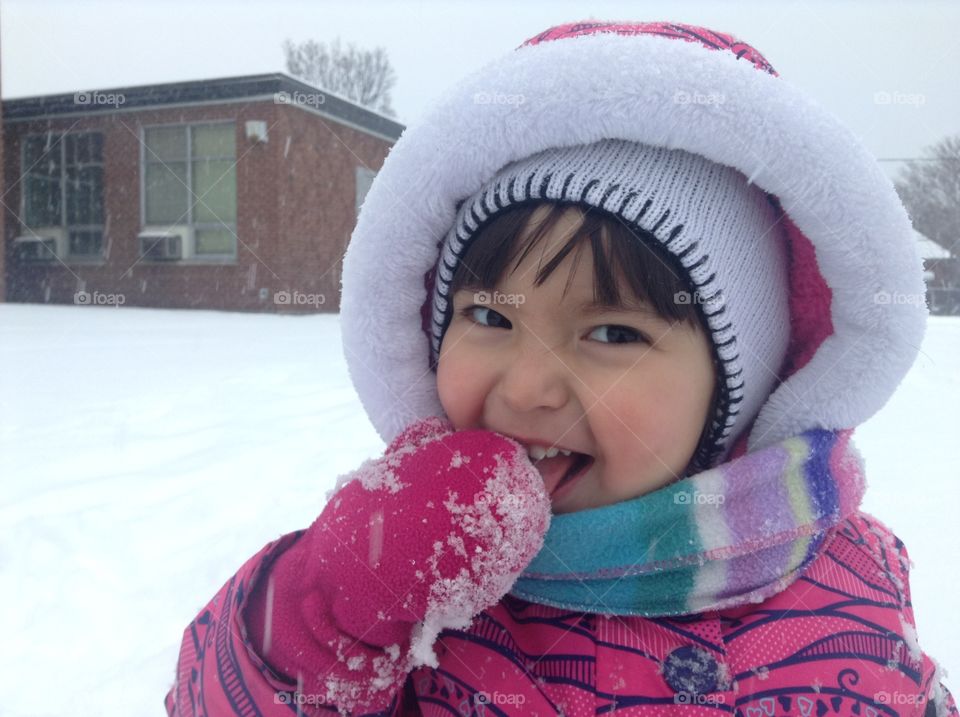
(145, 454)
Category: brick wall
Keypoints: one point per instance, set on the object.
(295, 213)
(316, 182)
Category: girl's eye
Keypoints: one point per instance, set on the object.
(486, 317)
(611, 333)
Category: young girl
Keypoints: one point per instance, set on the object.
(617, 304)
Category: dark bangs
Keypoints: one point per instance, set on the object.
(622, 256)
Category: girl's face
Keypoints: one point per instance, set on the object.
(625, 388)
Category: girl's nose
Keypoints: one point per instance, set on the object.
(532, 379)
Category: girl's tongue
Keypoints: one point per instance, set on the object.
(555, 469)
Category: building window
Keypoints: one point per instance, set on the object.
(63, 190)
(189, 179)
(364, 180)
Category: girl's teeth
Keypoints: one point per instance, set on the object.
(538, 452)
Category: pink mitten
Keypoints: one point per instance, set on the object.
(417, 541)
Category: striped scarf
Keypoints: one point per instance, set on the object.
(734, 534)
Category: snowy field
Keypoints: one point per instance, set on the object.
(145, 454)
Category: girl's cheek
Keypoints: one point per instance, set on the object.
(460, 390)
(637, 421)
(646, 422)
(445, 390)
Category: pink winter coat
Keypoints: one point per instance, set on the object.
(841, 640)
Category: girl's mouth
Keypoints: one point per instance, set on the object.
(561, 471)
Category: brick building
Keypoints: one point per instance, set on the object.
(237, 193)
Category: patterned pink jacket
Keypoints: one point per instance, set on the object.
(841, 640)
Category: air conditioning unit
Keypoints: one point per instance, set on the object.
(43, 244)
(164, 243)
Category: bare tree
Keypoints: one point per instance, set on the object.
(364, 76)
(930, 190)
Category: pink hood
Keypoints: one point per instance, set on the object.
(856, 289)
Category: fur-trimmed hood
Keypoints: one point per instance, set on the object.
(856, 284)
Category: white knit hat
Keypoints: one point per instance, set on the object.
(723, 231)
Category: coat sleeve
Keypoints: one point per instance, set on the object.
(220, 674)
(936, 700)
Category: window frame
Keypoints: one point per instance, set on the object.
(67, 256)
(190, 255)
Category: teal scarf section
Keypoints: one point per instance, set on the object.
(734, 534)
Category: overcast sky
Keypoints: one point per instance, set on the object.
(843, 53)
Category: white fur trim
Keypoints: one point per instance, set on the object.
(583, 89)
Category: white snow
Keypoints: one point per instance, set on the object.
(146, 454)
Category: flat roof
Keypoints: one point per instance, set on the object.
(224, 89)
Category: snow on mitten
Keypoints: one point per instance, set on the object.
(420, 540)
